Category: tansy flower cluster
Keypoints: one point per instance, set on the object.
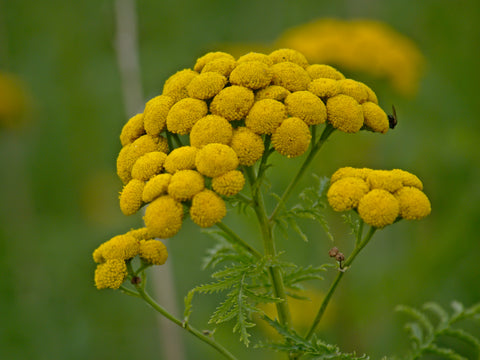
(112, 256)
(379, 196)
(360, 45)
(228, 108)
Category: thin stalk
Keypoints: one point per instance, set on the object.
(237, 240)
(190, 329)
(311, 155)
(337, 279)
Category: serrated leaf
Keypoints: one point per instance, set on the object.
(439, 312)
(445, 353)
(420, 317)
(464, 336)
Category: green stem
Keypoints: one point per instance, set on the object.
(339, 276)
(187, 327)
(237, 240)
(311, 155)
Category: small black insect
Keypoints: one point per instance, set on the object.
(392, 119)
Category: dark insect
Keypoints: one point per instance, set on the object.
(392, 119)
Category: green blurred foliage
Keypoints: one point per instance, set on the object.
(58, 187)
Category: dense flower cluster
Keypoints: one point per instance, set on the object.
(379, 196)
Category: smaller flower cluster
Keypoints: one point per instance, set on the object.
(112, 256)
(379, 196)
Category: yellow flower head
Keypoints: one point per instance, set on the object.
(229, 183)
(223, 66)
(184, 114)
(155, 187)
(164, 217)
(148, 165)
(324, 88)
(353, 88)
(153, 252)
(132, 130)
(184, 184)
(131, 197)
(346, 193)
(265, 116)
(291, 76)
(408, 179)
(110, 274)
(131, 152)
(206, 85)
(384, 179)
(211, 56)
(155, 114)
(372, 97)
(274, 92)
(350, 172)
(292, 137)
(290, 55)
(344, 113)
(211, 129)
(255, 56)
(414, 204)
(140, 234)
(317, 71)
(207, 209)
(182, 158)
(306, 106)
(215, 160)
(374, 117)
(233, 102)
(247, 145)
(176, 85)
(120, 247)
(378, 208)
(251, 74)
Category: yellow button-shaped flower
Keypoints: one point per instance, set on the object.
(251, 74)
(275, 92)
(155, 187)
(182, 158)
(211, 56)
(216, 159)
(265, 116)
(408, 179)
(233, 102)
(247, 145)
(346, 193)
(384, 179)
(148, 165)
(290, 55)
(292, 137)
(155, 114)
(164, 217)
(207, 209)
(378, 208)
(229, 183)
(110, 274)
(344, 113)
(353, 88)
(324, 88)
(206, 85)
(306, 106)
(153, 252)
(132, 130)
(414, 204)
(176, 85)
(131, 197)
(184, 184)
(211, 129)
(317, 71)
(223, 66)
(348, 171)
(122, 247)
(374, 117)
(184, 114)
(255, 56)
(291, 76)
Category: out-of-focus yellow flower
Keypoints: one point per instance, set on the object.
(211, 56)
(110, 274)
(155, 187)
(344, 113)
(306, 106)
(207, 209)
(216, 159)
(132, 130)
(155, 114)
(182, 158)
(211, 129)
(251, 74)
(206, 85)
(184, 114)
(414, 204)
(15, 101)
(292, 137)
(184, 184)
(153, 252)
(148, 165)
(233, 102)
(131, 197)
(322, 71)
(374, 117)
(291, 76)
(229, 183)
(176, 85)
(255, 56)
(265, 116)
(288, 55)
(164, 217)
(247, 145)
(274, 92)
(223, 66)
(120, 247)
(346, 193)
(378, 208)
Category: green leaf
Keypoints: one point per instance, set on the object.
(439, 312)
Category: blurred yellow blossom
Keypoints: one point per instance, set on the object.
(15, 102)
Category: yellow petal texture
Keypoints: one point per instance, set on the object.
(292, 137)
(324, 88)
(317, 71)
(131, 197)
(211, 56)
(110, 274)
(378, 208)
(223, 66)
(408, 179)
(132, 130)
(122, 247)
(206, 85)
(153, 252)
(155, 114)
(207, 209)
(148, 165)
(251, 74)
(346, 193)
(233, 102)
(275, 92)
(163, 217)
(182, 158)
(291, 76)
(344, 113)
(255, 56)
(155, 187)
(184, 184)
(176, 85)
(414, 204)
(247, 145)
(211, 129)
(353, 88)
(140, 234)
(374, 117)
(265, 116)
(184, 114)
(384, 179)
(215, 160)
(290, 55)
(229, 183)
(349, 171)
(306, 106)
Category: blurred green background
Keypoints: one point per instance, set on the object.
(59, 190)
